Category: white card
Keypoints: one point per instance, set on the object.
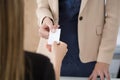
(54, 36)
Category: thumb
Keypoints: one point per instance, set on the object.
(54, 46)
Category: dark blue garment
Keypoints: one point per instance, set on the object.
(68, 20)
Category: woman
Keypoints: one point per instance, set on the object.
(89, 27)
(15, 64)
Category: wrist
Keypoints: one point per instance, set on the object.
(56, 62)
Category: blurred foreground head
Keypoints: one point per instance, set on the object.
(11, 40)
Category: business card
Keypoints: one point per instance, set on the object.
(54, 36)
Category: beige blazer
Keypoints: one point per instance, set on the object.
(97, 27)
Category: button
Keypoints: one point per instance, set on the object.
(80, 18)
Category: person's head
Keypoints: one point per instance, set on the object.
(11, 40)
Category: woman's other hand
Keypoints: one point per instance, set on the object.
(101, 70)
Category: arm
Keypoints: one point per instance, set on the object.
(110, 31)
(58, 51)
(108, 41)
(57, 68)
(43, 10)
(45, 18)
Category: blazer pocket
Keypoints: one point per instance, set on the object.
(99, 30)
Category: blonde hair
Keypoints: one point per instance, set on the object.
(11, 40)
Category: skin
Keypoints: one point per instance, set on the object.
(101, 69)
(46, 26)
(58, 51)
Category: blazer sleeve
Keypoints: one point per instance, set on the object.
(110, 31)
(43, 10)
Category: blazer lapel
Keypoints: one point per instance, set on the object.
(84, 2)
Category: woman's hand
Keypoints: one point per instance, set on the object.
(58, 51)
(101, 70)
(46, 26)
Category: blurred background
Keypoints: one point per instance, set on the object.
(31, 36)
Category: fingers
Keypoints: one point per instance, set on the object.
(45, 28)
(101, 70)
(90, 77)
(54, 27)
(44, 31)
(101, 76)
(107, 75)
(93, 76)
(48, 22)
(50, 25)
(61, 44)
(56, 45)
